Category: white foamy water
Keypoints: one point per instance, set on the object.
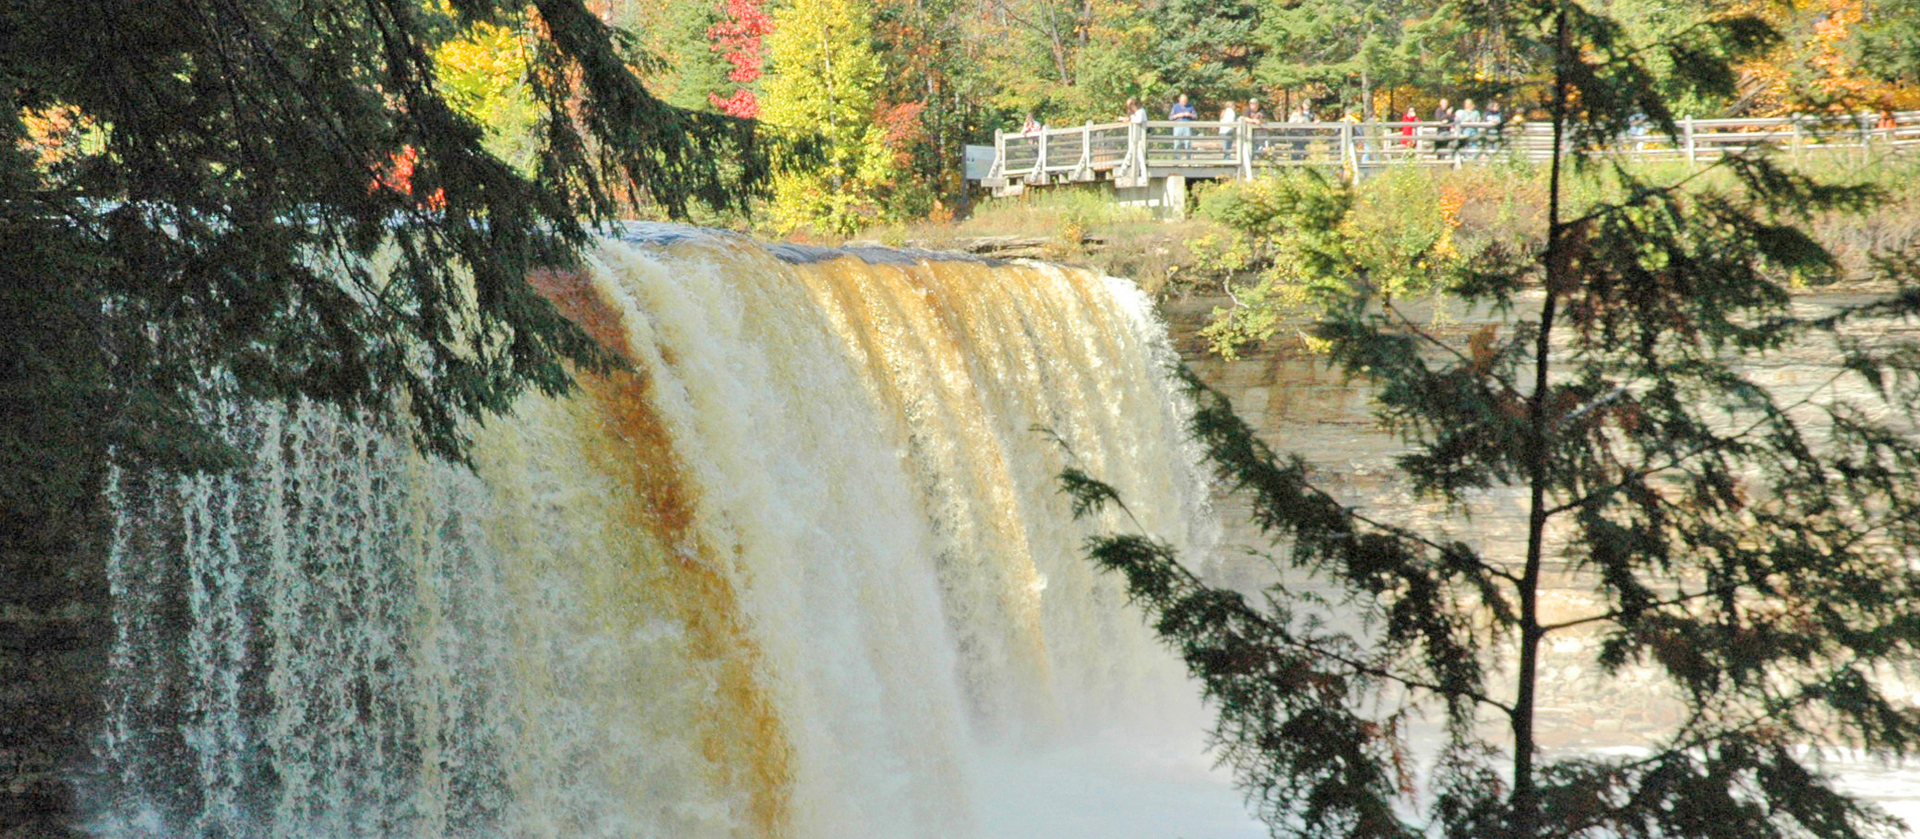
(805, 573)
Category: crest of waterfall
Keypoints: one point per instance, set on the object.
(803, 573)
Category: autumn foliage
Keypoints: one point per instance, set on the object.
(738, 39)
(397, 173)
(932, 76)
(1819, 68)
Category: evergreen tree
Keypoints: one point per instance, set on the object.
(1208, 48)
(1357, 49)
(1889, 43)
(1754, 547)
(241, 164)
(699, 70)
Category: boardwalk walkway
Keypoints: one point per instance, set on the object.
(1138, 156)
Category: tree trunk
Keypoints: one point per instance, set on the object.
(1366, 96)
(1524, 804)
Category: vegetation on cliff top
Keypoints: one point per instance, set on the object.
(944, 73)
(1751, 542)
(1415, 228)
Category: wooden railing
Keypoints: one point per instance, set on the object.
(1131, 154)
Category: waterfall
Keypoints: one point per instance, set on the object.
(802, 573)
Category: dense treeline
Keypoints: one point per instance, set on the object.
(892, 90)
(942, 73)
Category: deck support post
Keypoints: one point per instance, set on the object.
(1244, 149)
(1040, 162)
(999, 168)
(1347, 157)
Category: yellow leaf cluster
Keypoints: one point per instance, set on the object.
(1821, 62)
(53, 134)
(822, 85)
(484, 74)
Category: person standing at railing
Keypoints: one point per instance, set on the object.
(1443, 115)
(1298, 121)
(1637, 130)
(1254, 118)
(1228, 119)
(1363, 151)
(1183, 113)
(1466, 125)
(1136, 112)
(1409, 125)
(1496, 119)
(1032, 126)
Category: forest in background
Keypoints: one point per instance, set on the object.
(185, 241)
(880, 97)
(895, 88)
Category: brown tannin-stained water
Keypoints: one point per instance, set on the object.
(803, 573)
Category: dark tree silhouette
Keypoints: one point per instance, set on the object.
(1756, 548)
(271, 199)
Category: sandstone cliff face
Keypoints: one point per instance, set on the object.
(1299, 405)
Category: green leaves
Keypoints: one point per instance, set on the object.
(1744, 536)
(1349, 48)
(1089, 496)
(823, 86)
(279, 201)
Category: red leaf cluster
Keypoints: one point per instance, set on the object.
(903, 125)
(397, 175)
(741, 104)
(739, 37)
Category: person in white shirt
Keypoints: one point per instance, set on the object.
(1466, 123)
(1228, 124)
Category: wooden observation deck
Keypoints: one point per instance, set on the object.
(1138, 156)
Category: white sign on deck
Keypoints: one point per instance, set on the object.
(979, 162)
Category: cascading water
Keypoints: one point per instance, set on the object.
(803, 574)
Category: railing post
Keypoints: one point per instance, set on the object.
(1686, 130)
(999, 169)
(1086, 149)
(1040, 159)
(1137, 147)
(1346, 147)
(1244, 134)
(1797, 152)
